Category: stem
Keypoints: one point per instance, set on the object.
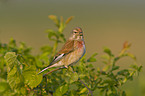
(54, 48)
(90, 91)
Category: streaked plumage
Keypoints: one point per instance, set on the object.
(72, 51)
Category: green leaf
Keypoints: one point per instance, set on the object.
(31, 77)
(10, 58)
(108, 51)
(15, 78)
(140, 67)
(62, 25)
(54, 19)
(131, 55)
(62, 37)
(113, 94)
(64, 88)
(13, 71)
(109, 81)
(115, 68)
(52, 35)
(83, 90)
(73, 86)
(12, 43)
(74, 77)
(92, 58)
(106, 68)
(4, 86)
(124, 72)
(47, 49)
(58, 92)
(69, 19)
(134, 67)
(23, 91)
(123, 93)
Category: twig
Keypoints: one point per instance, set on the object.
(90, 91)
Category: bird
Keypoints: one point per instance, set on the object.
(71, 52)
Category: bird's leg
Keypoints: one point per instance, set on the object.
(66, 67)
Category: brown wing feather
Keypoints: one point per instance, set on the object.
(67, 48)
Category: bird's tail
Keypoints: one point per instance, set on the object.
(44, 69)
(50, 66)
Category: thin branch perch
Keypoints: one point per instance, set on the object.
(90, 91)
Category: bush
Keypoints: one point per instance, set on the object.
(19, 70)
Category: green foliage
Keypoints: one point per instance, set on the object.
(19, 70)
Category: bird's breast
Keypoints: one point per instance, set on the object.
(81, 47)
(80, 44)
(77, 54)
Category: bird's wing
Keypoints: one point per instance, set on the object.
(67, 48)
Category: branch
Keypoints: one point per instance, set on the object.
(90, 91)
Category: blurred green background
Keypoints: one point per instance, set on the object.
(105, 23)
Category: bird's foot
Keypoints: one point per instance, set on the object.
(66, 67)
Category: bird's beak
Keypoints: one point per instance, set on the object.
(81, 34)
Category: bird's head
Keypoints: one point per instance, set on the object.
(77, 34)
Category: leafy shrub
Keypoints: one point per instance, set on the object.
(19, 68)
